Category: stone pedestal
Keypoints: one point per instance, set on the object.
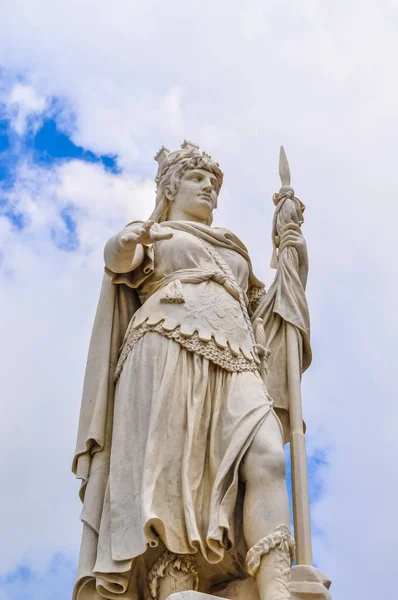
(192, 596)
(307, 583)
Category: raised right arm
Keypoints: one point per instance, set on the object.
(122, 254)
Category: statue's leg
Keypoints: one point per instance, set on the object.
(266, 512)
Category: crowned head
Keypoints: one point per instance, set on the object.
(188, 180)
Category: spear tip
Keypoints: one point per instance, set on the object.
(284, 170)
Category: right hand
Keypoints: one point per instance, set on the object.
(142, 233)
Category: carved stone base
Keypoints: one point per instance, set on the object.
(307, 583)
(190, 595)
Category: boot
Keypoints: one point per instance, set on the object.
(269, 562)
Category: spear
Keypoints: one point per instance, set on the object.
(287, 204)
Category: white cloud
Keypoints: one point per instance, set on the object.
(24, 105)
(239, 80)
(47, 305)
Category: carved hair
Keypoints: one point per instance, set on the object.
(171, 172)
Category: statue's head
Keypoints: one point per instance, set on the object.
(188, 183)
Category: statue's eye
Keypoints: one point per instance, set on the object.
(196, 177)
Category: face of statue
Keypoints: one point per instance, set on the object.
(196, 197)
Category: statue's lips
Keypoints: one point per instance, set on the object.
(205, 197)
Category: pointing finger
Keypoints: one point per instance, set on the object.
(161, 236)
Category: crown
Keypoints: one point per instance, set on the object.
(167, 159)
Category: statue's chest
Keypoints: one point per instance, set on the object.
(185, 251)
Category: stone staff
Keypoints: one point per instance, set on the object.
(289, 213)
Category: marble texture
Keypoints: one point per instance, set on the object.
(180, 449)
(307, 583)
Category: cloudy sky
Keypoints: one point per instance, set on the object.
(89, 92)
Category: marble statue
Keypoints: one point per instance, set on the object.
(185, 403)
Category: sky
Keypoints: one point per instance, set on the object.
(89, 91)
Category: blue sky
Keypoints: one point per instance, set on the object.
(49, 145)
(88, 94)
(46, 145)
(25, 583)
